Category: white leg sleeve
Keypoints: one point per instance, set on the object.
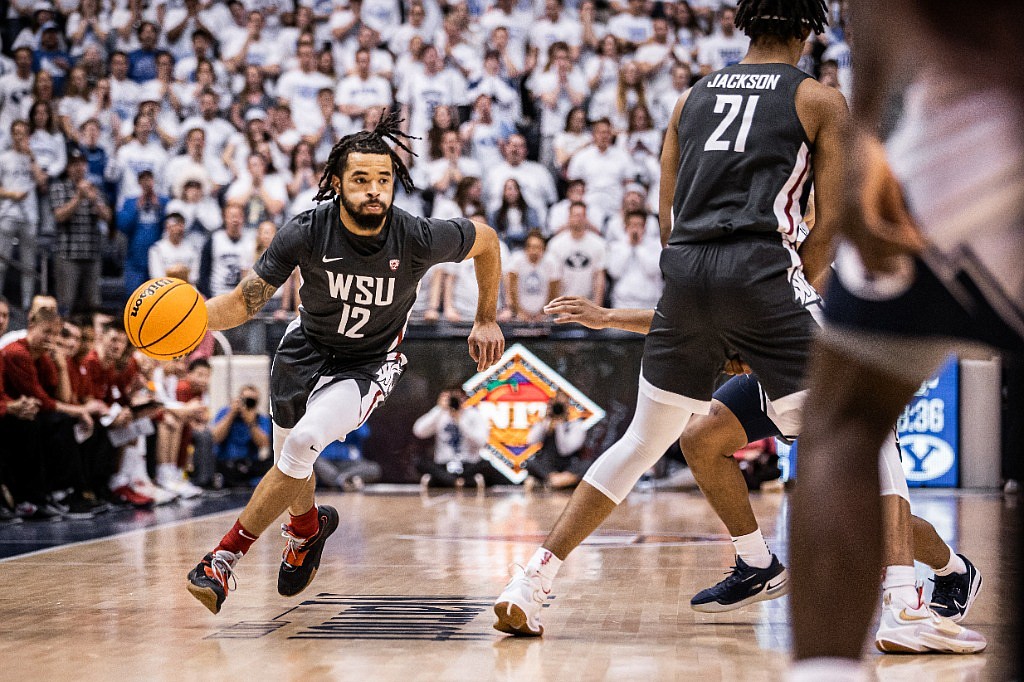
(654, 427)
(787, 413)
(331, 414)
(280, 434)
(891, 477)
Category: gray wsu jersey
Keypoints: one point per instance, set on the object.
(355, 307)
(745, 160)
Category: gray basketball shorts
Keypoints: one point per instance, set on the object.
(299, 370)
(736, 298)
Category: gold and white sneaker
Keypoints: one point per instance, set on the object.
(518, 607)
(919, 630)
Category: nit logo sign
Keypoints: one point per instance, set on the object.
(514, 395)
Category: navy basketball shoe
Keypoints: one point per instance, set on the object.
(954, 593)
(744, 585)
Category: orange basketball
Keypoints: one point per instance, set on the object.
(165, 318)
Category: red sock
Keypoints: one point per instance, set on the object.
(237, 540)
(305, 525)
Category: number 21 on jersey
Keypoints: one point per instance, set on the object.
(735, 104)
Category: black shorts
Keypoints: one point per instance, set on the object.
(299, 370)
(730, 298)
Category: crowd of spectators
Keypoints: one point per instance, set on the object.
(140, 138)
(174, 137)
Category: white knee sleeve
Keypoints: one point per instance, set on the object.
(331, 414)
(280, 435)
(892, 480)
(788, 413)
(655, 426)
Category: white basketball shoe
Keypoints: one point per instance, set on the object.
(919, 630)
(518, 607)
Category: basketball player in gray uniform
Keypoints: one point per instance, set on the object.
(361, 261)
(739, 154)
(932, 264)
(735, 292)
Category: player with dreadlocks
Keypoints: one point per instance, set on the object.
(361, 261)
(739, 155)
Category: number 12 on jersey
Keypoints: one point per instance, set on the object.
(735, 103)
(352, 320)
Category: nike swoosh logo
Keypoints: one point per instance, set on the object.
(778, 584)
(959, 605)
(331, 260)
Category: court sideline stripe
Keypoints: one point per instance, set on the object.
(122, 534)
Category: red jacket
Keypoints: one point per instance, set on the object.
(106, 383)
(3, 394)
(34, 377)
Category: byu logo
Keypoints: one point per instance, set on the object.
(925, 457)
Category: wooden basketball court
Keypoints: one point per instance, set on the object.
(405, 593)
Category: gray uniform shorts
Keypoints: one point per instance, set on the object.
(740, 297)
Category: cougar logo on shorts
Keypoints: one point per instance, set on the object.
(390, 371)
(514, 395)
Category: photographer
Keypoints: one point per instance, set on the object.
(558, 464)
(459, 433)
(241, 437)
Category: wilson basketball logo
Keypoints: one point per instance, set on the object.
(148, 291)
(514, 395)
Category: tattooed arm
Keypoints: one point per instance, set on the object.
(241, 305)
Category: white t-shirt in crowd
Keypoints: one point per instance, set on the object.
(229, 259)
(372, 92)
(300, 90)
(534, 281)
(719, 51)
(133, 158)
(636, 274)
(552, 119)
(544, 33)
(16, 176)
(535, 183)
(14, 92)
(273, 183)
(577, 261)
(164, 255)
(424, 92)
(636, 30)
(465, 292)
(604, 172)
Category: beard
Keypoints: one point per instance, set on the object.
(366, 221)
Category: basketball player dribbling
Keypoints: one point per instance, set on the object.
(735, 169)
(933, 263)
(361, 261)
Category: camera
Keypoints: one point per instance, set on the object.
(249, 403)
(558, 410)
